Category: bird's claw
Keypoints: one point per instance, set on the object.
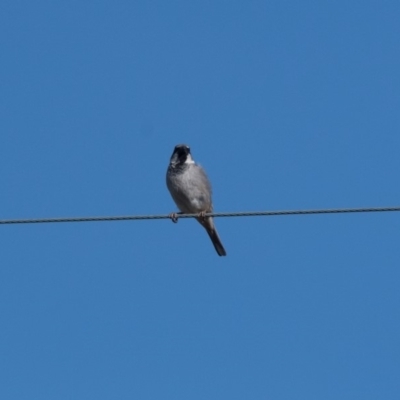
(174, 217)
(202, 216)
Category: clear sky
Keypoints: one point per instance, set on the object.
(287, 105)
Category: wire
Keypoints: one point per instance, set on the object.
(230, 214)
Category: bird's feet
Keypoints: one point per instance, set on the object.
(174, 217)
(202, 216)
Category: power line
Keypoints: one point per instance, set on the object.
(230, 214)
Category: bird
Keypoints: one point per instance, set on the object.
(191, 191)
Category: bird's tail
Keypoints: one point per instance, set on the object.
(216, 242)
(208, 224)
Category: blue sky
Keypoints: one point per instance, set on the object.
(287, 105)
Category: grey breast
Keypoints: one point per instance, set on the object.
(190, 188)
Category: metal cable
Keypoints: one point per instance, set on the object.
(230, 214)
